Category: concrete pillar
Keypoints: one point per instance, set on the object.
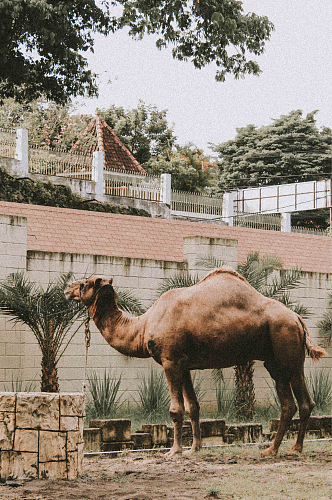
(22, 152)
(228, 208)
(286, 224)
(166, 180)
(98, 174)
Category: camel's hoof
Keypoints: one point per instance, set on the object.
(270, 452)
(295, 452)
(173, 453)
(189, 453)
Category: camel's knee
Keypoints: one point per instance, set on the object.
(306, 408)
(176, 413)
(192, 411)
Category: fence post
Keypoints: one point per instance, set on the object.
(166, 180)
(228, 208)
(286, 224)
(22, 152)
(97, 174)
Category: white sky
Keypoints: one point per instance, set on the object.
(296, 65)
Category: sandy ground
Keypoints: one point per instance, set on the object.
(231, 473)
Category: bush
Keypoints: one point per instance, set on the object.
(104, 402)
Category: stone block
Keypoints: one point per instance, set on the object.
(72, 465)
(141, 440)
(37, 411)
(247, 433)
(52, 446)
(53, 470)
(18, 465)
(7, 401)
(158, 433)
(113, 430)
(7, 427)
(212, 427)
(68, 423)
(26, 440)
(117, 446)
(213, 440)
(92, 439)
(74, 438)
(72, 404)
(322, 423)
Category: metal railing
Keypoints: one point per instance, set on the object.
(314, 231)
(258, 221)
(133, 185)
(7, 143)
(56, 162)
(196, 203)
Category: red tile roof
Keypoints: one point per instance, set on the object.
(53, 229)
(98, 136)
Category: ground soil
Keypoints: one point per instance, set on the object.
(238, 473)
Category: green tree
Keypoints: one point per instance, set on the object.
(143, 130)
(42, 41)
(202, 31)
(191, 170)
(41, 47)
(48, 314)
(290, 149)
(48, 124)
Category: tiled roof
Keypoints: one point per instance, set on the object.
(98, 136)
(53, 229)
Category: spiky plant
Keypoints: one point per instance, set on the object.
(325, 325)
(104, 401)
(320, 387)
(48, 314)
(153, 393)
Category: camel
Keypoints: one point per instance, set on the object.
(219, 322)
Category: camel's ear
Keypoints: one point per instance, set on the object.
(98, 282)
(110, 281)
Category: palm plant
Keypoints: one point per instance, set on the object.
(48, 314)
(325, 325)
(320, 386)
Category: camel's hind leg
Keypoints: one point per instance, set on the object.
(191, 406)
(306, 405)
(174, 376)
(288, 410)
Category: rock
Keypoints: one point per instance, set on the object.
(158, 433)
(52, 446)
(141, 440)
(212, 427)
(37, 411)
(92, 439)
(247, 433)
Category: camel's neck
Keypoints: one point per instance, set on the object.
(125, 334)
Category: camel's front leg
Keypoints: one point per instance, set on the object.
(173, 374)
(192, 409)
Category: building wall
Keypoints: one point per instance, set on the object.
(19, 352)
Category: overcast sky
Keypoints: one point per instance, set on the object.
(296, 65)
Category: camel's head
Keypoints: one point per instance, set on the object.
(86, 290)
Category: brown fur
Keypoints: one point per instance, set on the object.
(221, 321)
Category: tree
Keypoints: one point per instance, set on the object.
(144, 130)
(191, 170)
(291, 149)
(50, 316)
(48, 124)
(41, 44)
(42, 41)
(202, 31)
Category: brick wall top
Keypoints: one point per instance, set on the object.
(52, 229)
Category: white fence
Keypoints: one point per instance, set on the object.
(143, 187)
(61, 163)
(7, 143)
(196, 205)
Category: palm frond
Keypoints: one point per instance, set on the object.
(288, 280)
(325, 325)
(257, 269)
(127, 301)
(178, 280)
(209, 262)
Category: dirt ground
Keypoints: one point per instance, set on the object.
(227, 473)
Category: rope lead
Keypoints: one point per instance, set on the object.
(87, 339)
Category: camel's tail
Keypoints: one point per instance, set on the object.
(315, 351)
